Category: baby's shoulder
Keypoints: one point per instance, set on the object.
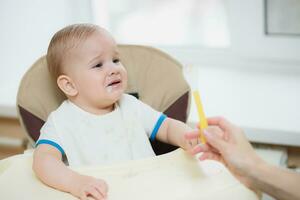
(61, 110)
(128, 99)
(128, 103)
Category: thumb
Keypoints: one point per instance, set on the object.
(215, 141)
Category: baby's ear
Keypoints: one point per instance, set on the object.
(66, 84)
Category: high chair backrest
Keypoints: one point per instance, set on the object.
(153, 76)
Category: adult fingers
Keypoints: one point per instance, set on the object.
(215, 141)
(223, 123)
(198, 149)
(210, 156)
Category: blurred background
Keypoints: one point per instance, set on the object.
(243, 57)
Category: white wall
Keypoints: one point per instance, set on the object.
(248, 43)
(255, 82)
(248, 36)
(26, 29)
(265, 102)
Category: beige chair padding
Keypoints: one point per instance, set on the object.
(175, 176)
(154, 75)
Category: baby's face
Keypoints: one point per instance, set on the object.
(95, 68)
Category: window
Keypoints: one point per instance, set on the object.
(165, 22)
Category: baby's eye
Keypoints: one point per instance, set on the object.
(116, 60)
(98, 65)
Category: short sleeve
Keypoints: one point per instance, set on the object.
(151, 119)
(49, 135)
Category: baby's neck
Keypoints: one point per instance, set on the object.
(100, 110)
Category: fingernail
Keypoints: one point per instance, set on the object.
(205, 132)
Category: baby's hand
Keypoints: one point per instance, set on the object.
(87, 186)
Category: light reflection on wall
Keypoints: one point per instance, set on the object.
(167, 22)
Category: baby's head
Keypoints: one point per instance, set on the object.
(84, 61)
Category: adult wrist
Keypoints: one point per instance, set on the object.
(256, 171)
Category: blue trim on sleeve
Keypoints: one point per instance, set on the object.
(157, 126)
(54, 144)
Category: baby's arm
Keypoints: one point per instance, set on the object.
(49, 168)
(173, 132)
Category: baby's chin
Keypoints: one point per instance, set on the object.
(115, 94)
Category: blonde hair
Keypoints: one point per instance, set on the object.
(64, 40)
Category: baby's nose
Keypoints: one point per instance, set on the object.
(113, 70)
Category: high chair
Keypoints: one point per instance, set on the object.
(153, 77)
(156, 79)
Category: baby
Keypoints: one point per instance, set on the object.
(98, 123)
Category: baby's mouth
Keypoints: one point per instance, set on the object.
(113, 83)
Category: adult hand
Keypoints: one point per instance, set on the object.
(228, 144)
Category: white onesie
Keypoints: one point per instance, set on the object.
(89, 139)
